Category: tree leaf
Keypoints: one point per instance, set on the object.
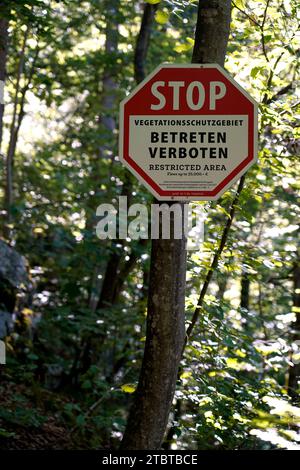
(162, 16)
(240, 4)
(128, 388)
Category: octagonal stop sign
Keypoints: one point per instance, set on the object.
(188, 132)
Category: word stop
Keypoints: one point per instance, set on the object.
(194, 94)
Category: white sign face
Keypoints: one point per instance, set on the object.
(184, 150)
(188, 132)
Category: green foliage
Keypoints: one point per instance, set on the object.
(79, 361)
(226, 378)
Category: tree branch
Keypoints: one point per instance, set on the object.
(216, 258)
(279, 93)
(263, 43)
(247, 14)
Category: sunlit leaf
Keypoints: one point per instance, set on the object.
(162, 16)
(240, 4)
(128, 388)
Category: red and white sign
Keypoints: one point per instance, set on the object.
(188, 132)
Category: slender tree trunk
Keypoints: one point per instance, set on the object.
(107, 126)
(143, 41)
(245, 291)
(222, 284)
(165, 337)
(3, 58)
(164, 341)
(18, 114)
(109, 286)
(294, 371)
(245, 299)
(104, 294)
(113, 280)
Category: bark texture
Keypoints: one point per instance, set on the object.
(165, 337)
(212, 31)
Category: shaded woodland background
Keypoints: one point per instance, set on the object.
(72, 307)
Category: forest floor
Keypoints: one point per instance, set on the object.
(31, 419)
(27, 424)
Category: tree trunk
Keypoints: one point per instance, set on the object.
(245, 300)
(212, 31)
(222, 286)
(107, 126)
(143, 41)
(112, 282)
(165, 336)
(245, 291)
(109, 286)
(105, 294)
(17, 117)
(3, 57)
